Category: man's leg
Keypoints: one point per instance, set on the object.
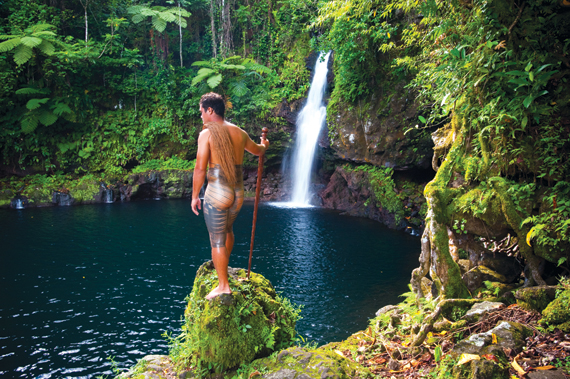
(221, 259)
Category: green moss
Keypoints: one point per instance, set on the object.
(233, 329)
(314, 363)
(557, 312)
(536, 300)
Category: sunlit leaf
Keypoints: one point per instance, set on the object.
(213, 81)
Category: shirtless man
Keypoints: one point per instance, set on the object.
(221, 147)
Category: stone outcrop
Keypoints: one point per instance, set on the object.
(233, 329)
(376, 131)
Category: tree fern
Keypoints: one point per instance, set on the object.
(31, 41)
(46, 117)
(10, 44)
(36, 103)
(29, 123)
(213, 81)
(22, 54)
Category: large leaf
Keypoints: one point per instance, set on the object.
(148, 12)
(36, 103)
(46, 117)
(258, 68)
(137, 18)
(232, 66)
(31, 41)
(46, 47)
(40, 27)
(9, 45)
(135, 9)
(201, 63)
(239, 89)
(29, 91)
(158, 23)
(202, 74)
(22, 54)
(167, 16)
(61, 108)
(214, 80)
(29, 123)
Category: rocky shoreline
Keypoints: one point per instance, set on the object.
(344, 190)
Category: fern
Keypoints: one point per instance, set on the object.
(29, 123)
(22, 54)
(10, 44)
(31, 41)
(214, 80)
(61, 108)
(36, 103)
(46, 117)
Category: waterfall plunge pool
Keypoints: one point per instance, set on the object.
(82, 284)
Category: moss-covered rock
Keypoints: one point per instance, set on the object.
(251, 322)
(298, 363)
(557, 313)
(535, 298)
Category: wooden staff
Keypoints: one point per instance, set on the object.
(257, 194)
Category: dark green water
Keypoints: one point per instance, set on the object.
(81, 284)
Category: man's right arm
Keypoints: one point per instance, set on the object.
(254, 148)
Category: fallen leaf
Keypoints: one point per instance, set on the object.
(339, 353)
(490, 357)
(494, 338)
(466, 358)
(518, 368)
(254, 374)
(549, 367)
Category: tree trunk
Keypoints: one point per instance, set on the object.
(180, 30)
(213, 26)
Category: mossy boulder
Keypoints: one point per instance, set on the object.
(557, 313)
(299, 363)
(251, 322)
(535, 298)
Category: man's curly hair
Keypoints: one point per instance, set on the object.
(214, 101)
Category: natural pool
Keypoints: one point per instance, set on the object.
(82, 284)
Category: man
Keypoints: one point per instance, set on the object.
(221, 147)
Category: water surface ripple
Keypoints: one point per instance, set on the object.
(82, 284)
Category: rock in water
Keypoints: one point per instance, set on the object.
(252, 322)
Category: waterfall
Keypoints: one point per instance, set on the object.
(309, 123)
(108, 196)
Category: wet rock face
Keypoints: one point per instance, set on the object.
(373, 132)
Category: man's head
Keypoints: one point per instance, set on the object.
(214, 102)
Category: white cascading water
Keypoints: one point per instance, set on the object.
(309, 124)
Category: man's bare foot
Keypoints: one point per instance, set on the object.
(216, 292)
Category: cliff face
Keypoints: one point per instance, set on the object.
(381, 131)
